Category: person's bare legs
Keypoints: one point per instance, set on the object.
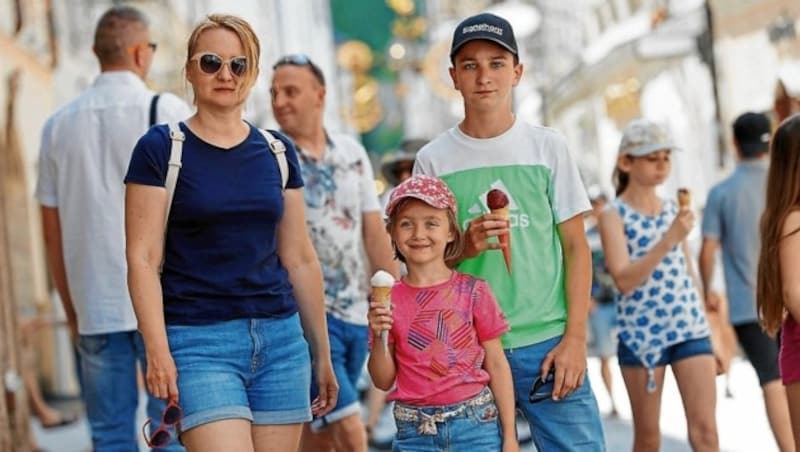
(793, 397)
(376, 401)
(608, 382)
(645, 406)
(277, 438)
(778, 415)
(349, 434)
(345, 435)
(220, 436)
(696, 377)
(48, 416)
(321, 441)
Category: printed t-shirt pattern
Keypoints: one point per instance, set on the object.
(339, 190)
(532, 166)
(666, 309)
(437, 334)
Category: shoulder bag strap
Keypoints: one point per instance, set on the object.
(279, 150)
(153, 112)
(175, 156)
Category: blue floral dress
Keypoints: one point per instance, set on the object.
(666, 309)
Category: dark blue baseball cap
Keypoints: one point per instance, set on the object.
(484, 26)
(752, 132)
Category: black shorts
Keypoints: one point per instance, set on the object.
(761, 350)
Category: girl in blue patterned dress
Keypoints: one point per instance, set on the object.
(660, 314)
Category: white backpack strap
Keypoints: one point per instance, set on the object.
(279, 150)
(174, 167)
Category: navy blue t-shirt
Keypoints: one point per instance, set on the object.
(221, 258)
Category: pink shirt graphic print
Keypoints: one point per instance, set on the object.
(437, 335)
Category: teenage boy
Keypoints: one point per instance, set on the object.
(544, 292)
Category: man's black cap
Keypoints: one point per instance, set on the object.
(484, 26)
(752, 133)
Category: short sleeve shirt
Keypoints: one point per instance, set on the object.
(220, 254)
(731, 215)
(532, 165)
(85, 150)
(340, 189)
(437, 335)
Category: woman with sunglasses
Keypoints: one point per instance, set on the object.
(221, 327)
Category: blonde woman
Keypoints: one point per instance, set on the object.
(223, 325)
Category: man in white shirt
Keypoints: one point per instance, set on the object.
(85, 151)
(345, 222)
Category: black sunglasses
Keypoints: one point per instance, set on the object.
(211, 63)
(301, 59)
(537, 394)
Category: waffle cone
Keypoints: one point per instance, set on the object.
(381, 294)
(505, 239)
(684, 198)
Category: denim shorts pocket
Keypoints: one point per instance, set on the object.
(94, 344)
(406, 429)
(486, 412)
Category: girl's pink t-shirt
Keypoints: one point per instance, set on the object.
(437, 334)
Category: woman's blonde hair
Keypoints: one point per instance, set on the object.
(453, 249)
(242, 29)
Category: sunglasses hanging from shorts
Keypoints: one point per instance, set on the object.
(539, 391)
(211, 63)
(170, 417)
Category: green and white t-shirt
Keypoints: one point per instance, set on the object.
(532, 166)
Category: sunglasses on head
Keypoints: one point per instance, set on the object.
(170, 417)
(300, 59)
(211, 63)
(538, 392)
(297, 59)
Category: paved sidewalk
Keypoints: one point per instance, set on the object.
(742, 422)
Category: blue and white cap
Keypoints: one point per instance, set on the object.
(642, 137)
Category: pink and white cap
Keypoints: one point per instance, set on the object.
(430, 190)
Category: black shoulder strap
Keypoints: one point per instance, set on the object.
(153, 105)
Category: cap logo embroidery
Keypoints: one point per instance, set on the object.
(482, 27)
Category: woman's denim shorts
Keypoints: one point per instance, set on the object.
(254, 369)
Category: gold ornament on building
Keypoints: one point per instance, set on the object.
(435, 67)
(365, 111)
(354, 56)
(622, 101)
(402, 7)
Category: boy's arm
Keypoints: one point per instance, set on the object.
(569, 356)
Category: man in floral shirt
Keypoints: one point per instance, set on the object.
(345, 223)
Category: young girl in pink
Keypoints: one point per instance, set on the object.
(450, 378)
(778, 290)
